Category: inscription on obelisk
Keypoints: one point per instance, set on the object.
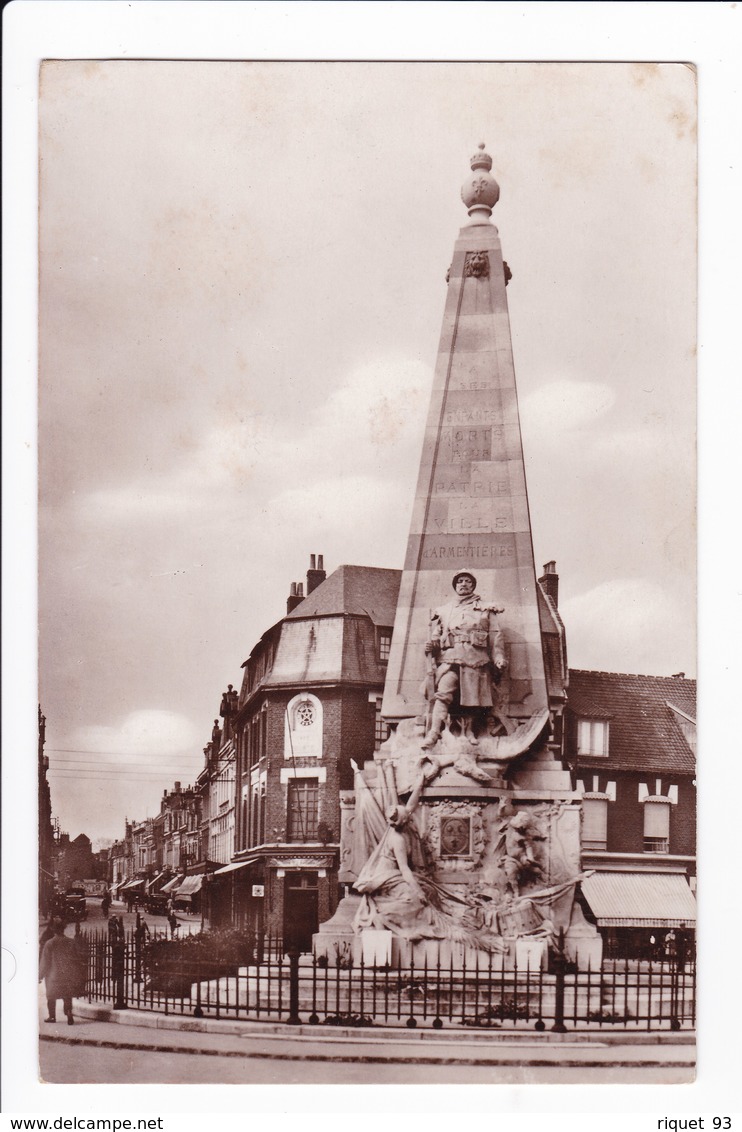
(471, 507)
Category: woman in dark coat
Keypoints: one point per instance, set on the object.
(62, 967)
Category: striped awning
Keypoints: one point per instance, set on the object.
(190, 885)
(171, 884)
(133, 884)
(628, 900)
(234, 866)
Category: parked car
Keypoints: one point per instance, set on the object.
(156, 904)
(75, 905)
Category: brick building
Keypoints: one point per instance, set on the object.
(630, 743)
(47, 845)
(310, 703)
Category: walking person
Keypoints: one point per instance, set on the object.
(48, 932)
(63, 972)
(174, 925)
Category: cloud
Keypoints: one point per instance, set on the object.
(102, 772)
(369, 427)
(148, 733)
(642, 626)
(564, 406)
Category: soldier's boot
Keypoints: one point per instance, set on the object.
(437, 723)
(467, 727)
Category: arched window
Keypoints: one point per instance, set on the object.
(303, 727)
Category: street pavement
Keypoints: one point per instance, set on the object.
(141, 1049)
(128, 1047)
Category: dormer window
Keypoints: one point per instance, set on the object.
(385, 645)
(687, 725)
(592, 738)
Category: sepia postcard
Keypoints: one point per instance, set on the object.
(367, 587)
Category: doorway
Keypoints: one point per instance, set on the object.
(300, 910)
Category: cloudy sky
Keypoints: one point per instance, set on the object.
(242, 283)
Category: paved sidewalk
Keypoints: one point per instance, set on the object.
(104, 1028)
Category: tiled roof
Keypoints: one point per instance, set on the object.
(644, 732)
(360, 590)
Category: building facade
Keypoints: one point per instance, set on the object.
(630, 743)
(309, 706)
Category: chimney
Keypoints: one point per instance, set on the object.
(316, 573)
(549, 580)
(177, 788)
(296, 596)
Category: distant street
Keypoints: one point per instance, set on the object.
(96, 921)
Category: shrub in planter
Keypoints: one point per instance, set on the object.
(171, 966)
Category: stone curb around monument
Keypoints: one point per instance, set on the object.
(381, 1035)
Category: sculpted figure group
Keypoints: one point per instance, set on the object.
(466, 660)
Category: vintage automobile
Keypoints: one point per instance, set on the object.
(156, 904)
(75, 905)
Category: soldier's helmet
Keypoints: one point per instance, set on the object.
(463, 574)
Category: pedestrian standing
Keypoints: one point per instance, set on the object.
(141, 935)
(63, 972)
(173, 921)
(681, 948)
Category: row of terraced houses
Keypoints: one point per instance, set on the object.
(255, 841)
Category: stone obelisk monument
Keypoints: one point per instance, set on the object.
(463, 831)
(471, 506)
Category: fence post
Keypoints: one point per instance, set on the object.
(118, 965)
(674, 993)
(293, 1018)
(560, 964)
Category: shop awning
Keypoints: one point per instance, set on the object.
(152, 885)
(235, 865)
(641, 900)
(171, 884)
(190, 886)
(133, 885)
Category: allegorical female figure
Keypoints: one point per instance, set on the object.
(393, 896)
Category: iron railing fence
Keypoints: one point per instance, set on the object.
(261, 982)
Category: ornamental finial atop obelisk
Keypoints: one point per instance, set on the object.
(480, 192)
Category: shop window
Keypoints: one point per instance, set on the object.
(303, 809)
(594, 823)
(303, 728)
(657, 827)
(592, 737)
